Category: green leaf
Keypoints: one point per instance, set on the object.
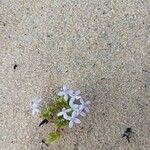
(61, 122)
(47, 113)
(53, 137)
(61, 103)
(50, 112)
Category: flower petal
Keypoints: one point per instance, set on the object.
(61, 93)
(75, 106)
(66, 97)
(60, 114)
(81, 101)
(71, 124)
(74, 114)
(81, 107)
(63, 109)
(68, 110)
(87, 102)
(67, 117)
(65, 88)
(33, 112)
(71, 102)
(87, 109)
(77, 92)
(82, 114)
(71, 92)
(77, 97)
(76, 120)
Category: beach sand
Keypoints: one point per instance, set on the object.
(101, 47)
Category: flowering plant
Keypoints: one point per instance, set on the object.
(65, 111)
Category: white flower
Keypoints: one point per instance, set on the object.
(64, 112)
(73, 119)
(64, 92)
(35, 105)
(84, 105)
(74, 96)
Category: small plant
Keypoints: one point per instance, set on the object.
(65, 110)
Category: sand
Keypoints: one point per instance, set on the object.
(101, 47)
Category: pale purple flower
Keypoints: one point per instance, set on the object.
(64, 92)
(74, 96)
(35, 105)
(64, 112)
(73, 119)
(79, 109)
(84, 105)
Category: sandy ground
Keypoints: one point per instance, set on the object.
(101, 47)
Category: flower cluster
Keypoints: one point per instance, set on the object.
(36, 105)
(64, 111)
(77, 105)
